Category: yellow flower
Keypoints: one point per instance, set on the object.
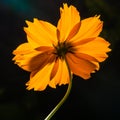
(49, 47)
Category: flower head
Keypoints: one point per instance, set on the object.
(49, 47)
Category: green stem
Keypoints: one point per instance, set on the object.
(64, 98)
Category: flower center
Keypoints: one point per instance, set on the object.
(62, 48)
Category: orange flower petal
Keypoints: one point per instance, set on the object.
(96, 48)
(65, 74)
(40, 33)
(39, 61)
(80, 67)
(55, 68)
(55, 80)
(85, 56)
(69, 18)
(73, 32)
(62, 75)
(24, 53)
(44, 48)
(41, 79)
(30, 60)
(90, 28)
(96, 64)
(89, 58)
(83, 41)
(23, 48)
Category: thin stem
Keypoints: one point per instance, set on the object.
(64, 98)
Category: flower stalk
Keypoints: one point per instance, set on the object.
(50, 115)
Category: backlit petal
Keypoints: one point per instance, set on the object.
(88, 58)
(40, 33)
(55, 68)
(96, 64)
(40, 60)
(85, 56)
(65, 74)
(73, 32)
(30, 60)
(80, 67)
(62, 76)
(41, 79)
(44, 48)
(68, 19)
(23, 48)
(90, 28)
(96, 48)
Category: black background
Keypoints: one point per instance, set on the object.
(97, 98)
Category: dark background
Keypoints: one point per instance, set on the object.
(97, 98)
